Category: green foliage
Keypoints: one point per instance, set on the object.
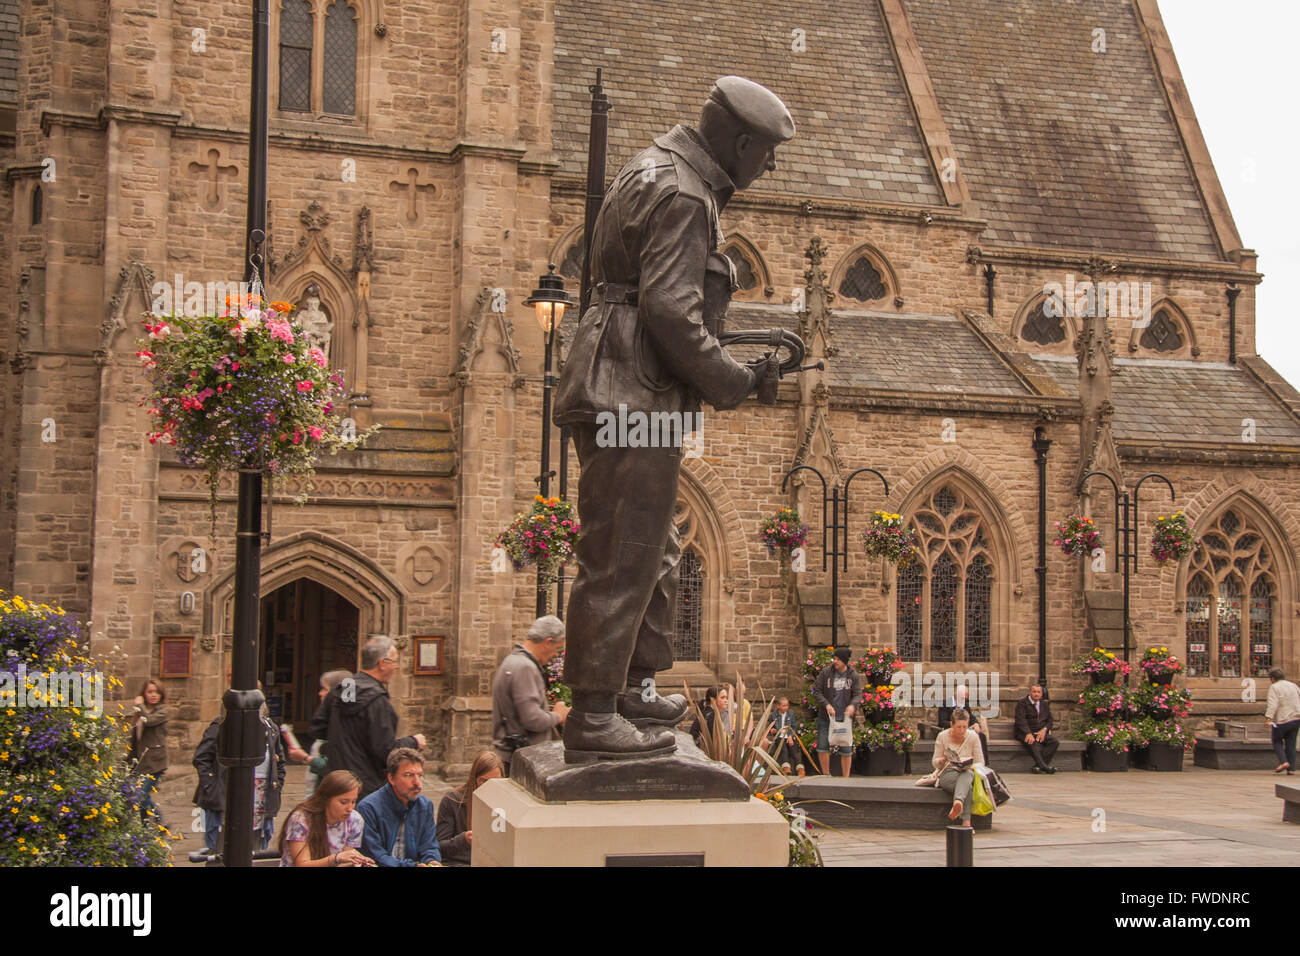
(65, 799)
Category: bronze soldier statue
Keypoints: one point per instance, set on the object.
(648, 343)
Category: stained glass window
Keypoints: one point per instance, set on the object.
(295, 55)
(1261, 626)
(340, 73)
(979, 585)
(1230, 601)
(689, 623)
(944, 605)
(910, 584)
(1198, 627)
(943, 609)
(862, 281)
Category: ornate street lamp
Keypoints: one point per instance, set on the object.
(549, 301)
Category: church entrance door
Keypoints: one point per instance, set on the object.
(307, 629)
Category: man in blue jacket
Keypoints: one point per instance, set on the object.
(401, 824)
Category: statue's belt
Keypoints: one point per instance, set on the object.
(615, 293)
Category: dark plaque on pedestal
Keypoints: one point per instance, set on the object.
(686, 774)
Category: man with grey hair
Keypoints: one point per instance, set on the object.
(520, 717)
(358, 721)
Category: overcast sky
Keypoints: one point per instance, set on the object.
(1242, 71)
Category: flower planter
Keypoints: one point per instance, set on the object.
(1165, 758)
(1160, 677)
(880, 763)
(1101, 760)
(886, 715)
(1105, 677)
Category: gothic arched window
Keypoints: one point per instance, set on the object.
(1230, 601)
(688, 623)
(746, 274)
(339, 84)
(944, 602)
(573, 261)
(863, 281)
(1162, 334)
(295, 55)
(318, 57)
(1044, 324)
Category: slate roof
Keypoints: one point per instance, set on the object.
(1062, 146)
(1181, 401)
(1059, 146)
(912, 353)
(856, 136)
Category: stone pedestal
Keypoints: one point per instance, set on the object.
(514, 828)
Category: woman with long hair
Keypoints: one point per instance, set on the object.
(147, 754)
(455, 834)
(326, 829)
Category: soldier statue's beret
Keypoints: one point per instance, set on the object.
(756, 106)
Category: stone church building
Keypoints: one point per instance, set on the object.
(961, 171)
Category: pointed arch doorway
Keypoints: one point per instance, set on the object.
(306, 629)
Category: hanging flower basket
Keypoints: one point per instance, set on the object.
(546, 536)
(1171, 540)
(245, 388)
(783, 532)
(1076, 535)
(888, 539)
(877, 665)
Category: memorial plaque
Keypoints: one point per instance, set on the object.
(428, 655)
(174, 657)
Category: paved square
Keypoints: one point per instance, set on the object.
(1195, 818)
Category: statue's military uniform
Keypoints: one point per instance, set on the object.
(643, 345)
(646, 344)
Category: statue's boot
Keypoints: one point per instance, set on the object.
(591, 737)
(656, 711)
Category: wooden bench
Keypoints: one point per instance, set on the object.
(1006, 753)
(1290, 795)
(888, 803)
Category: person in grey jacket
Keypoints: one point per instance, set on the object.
(837, 690)
(520, 717)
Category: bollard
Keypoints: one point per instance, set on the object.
(961, 846)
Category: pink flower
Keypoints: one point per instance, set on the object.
(315, 432)
(317, 356)
(288, 358)
(304, 386)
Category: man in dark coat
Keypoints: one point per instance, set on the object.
(210, 793)
(645, 347)
(1034, 729)
(358, 722)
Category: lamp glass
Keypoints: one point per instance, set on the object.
(549, 314)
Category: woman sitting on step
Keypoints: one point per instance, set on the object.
(956, 752)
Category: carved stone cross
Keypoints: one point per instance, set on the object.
(412, 188)
(216, 172)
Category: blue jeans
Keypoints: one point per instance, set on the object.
(148, 787)
(212, 829)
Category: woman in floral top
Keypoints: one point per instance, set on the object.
(326, 829)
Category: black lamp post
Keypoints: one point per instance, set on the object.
(549, 301)
(241, 740)
(1126, 530)
(835, 531)
(1041, 444)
